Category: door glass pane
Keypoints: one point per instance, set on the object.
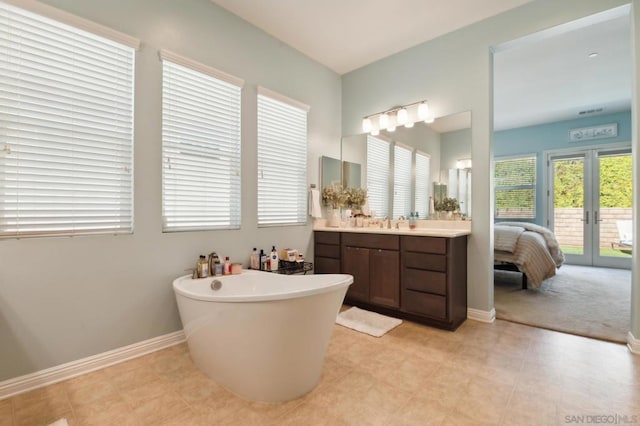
(615, 205)
(568, 204)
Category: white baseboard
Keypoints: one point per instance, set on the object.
(633, 344)
(482, 316)
(85, 365)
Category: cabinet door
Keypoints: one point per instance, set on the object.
(355, 261)
(384, 282)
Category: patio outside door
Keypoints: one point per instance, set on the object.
(589, 193)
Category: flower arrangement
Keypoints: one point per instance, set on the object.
(334, 196)
(447, 205)
(356, 197)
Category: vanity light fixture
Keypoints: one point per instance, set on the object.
(463, 164)
(406, 115)
(383, 120)
(423, 111)
(402, 116)
(366, 125)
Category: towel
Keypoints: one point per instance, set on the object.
(61, 422)
(315, 211)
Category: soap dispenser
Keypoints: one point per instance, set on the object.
(273, 259)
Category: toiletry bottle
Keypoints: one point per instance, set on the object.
(212, 263)
(263, 260)
(254, 260)
(227, 266)
(203, 267)
(273, 265)
(412, 221)
(218, 265)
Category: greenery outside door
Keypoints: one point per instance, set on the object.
(589, 194)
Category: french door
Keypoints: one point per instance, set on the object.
(589, 195)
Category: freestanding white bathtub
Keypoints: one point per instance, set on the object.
(261, 335)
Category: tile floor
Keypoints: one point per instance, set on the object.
(501, 373)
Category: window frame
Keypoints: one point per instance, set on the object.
(532, 187)
(216, 136)
(288, 146)
(78, 152)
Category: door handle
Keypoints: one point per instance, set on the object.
(586, 217)
(595, 218)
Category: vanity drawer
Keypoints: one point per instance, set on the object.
(424, 304)
(426, 281)
(325, 265)
(432, 262)
(326, 250)
(425, 244)
(374, 241)
(327, 237)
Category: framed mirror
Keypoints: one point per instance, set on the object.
(399, 169)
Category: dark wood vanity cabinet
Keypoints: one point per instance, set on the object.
(434, 279)
(420, 278)
(327, 254)
(373, 260)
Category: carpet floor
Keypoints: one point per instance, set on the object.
(582, 300)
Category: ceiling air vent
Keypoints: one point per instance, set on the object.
(591, 111)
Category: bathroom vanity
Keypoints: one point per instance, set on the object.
(419, 274)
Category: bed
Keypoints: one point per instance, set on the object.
(528, 248)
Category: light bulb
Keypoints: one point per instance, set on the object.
(366, 125)
(402, 116)
(409, 124)
(391, 127)
(384, 120)
(375, 132)
(430, 119)
(423, 111)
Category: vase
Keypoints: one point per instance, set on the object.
(359, 221)
(334, 218)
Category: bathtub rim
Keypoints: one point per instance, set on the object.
(340, 281)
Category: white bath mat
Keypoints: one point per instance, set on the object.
(61, 422)
(367, 322)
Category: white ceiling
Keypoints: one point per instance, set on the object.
(541, 78)
(549, 76)
(349, 34)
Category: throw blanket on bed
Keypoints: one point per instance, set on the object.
(505, 238)
(536, 252)
(549, 238)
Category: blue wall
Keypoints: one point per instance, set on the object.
(545, 137)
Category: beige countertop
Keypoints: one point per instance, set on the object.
(419, 231)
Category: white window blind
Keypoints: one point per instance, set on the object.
(401, 181)
(66, 129)
(515, 187)
(200, 147)
(422, 185)
(282, 160)
(378, 175)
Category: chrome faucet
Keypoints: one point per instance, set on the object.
(386, 219)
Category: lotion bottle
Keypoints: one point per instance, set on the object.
(254, 259)
(263, 260)
(203, 267)
(227, 266)
(273, 265)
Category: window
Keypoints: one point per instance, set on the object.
(401, 180)
(422, 185)
(515, 188)
(66, 126)
(200, 146)
(378, 158)
(282, 160)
